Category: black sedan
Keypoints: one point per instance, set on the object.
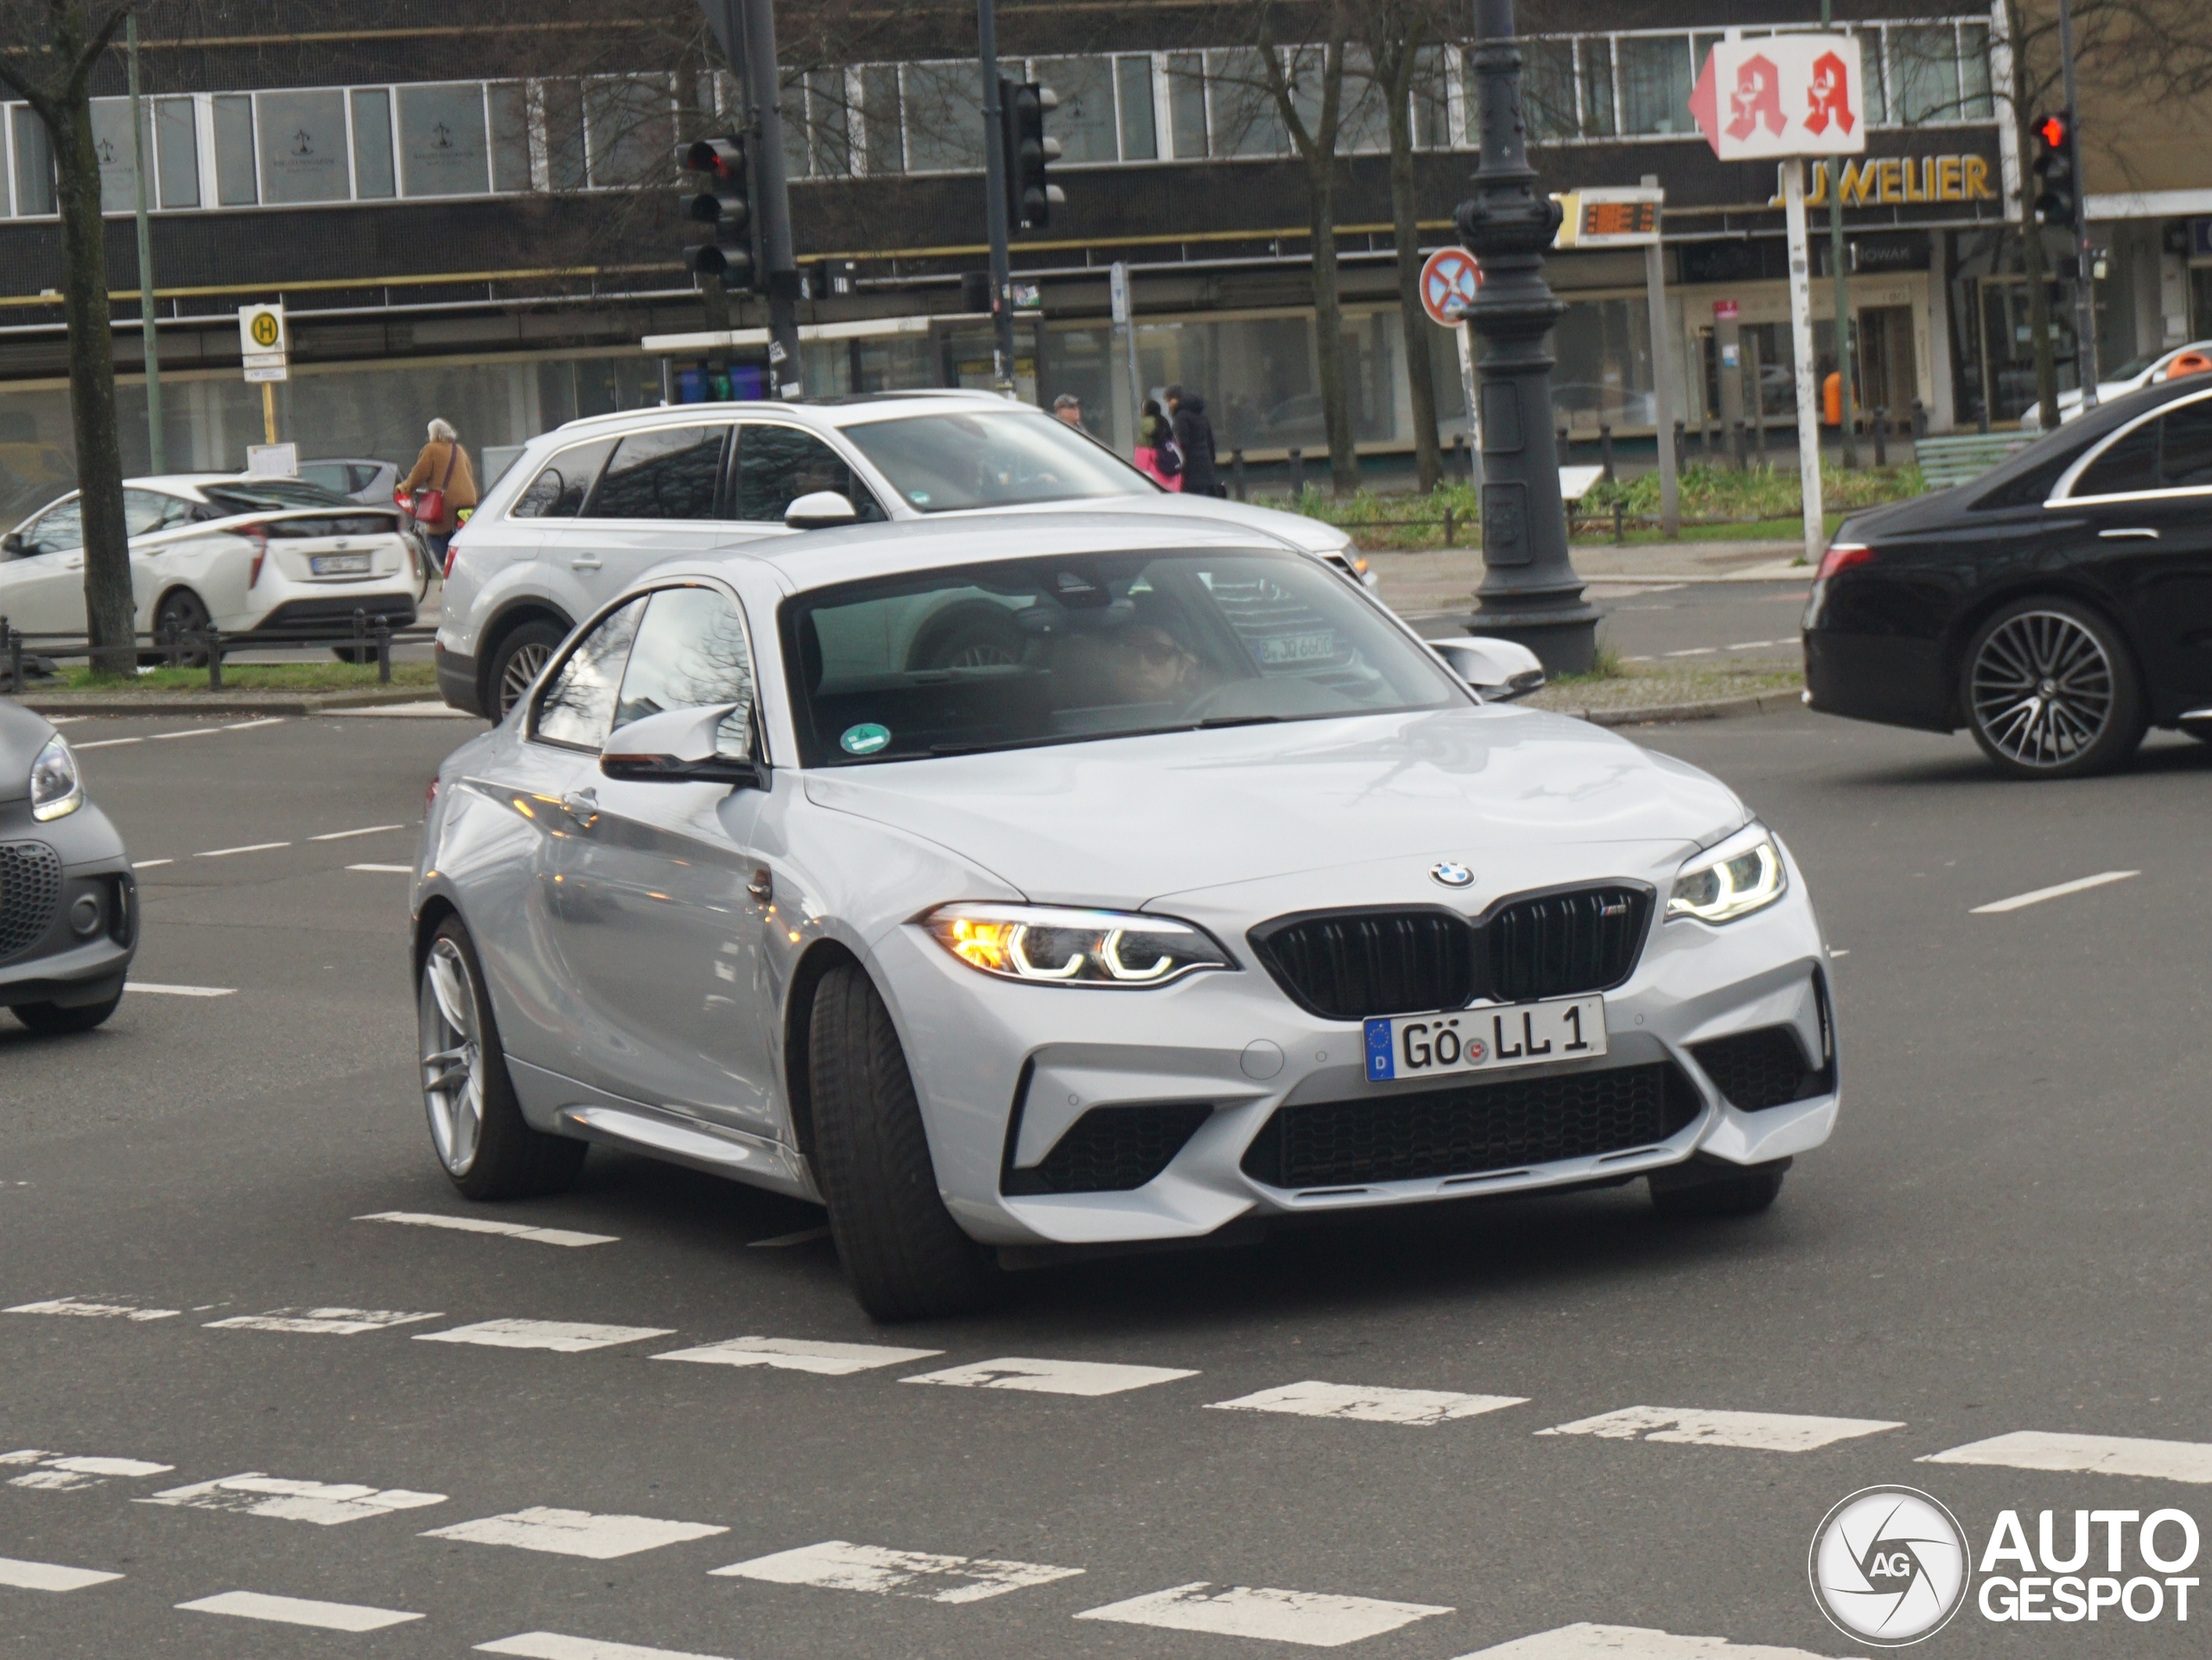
(68, 905)
(2057, 607)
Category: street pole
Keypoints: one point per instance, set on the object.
(1835, 165)
(1801, 331)
(1463, 336)
(1666, 385)
(772, 198)
(2085, 284)
(1125, 326)
(1530, 590)
(157, 445)
(995, 161)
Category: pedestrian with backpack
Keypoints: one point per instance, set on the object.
(1157, 456)
(439, 488)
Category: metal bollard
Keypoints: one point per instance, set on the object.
(1448, 527)
(214, 638)
(1681, 448)
(1736, 442)
(360, 636)
(1605, 451)
(1466, 457)
(383, 650)
(1881, 434)
(1919, 420)
(1297, 471)
(1236, 471)
(1620, 528)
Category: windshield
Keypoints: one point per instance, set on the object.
(254, 495)
(2130, 369)
(1035, 652)
(941, 463)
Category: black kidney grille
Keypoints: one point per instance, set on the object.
(1558, 944)
(1765, 1068)
(1352, 964)
(1111, 1149)
(30, 890)
(1475, 1127)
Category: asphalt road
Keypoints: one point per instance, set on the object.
(2006, 1235)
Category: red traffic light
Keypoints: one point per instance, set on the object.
(2052, 130)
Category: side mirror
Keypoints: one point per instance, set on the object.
(819, 511)
(678, 746)
(1498, 669)
(11, 545)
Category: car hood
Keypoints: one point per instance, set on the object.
(1124, 821)
(1312, 535)
(22, 734)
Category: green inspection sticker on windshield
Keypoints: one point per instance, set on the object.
(865, 739)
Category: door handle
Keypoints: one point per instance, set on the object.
(585, 564)
(2142, 532)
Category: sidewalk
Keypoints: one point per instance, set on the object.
(1442, 582)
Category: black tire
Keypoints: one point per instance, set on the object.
(904, 1255)
(1746, 1194)
(509, 1160)
(521, 653)
(2051, 691)
(186, 612)
(54, 1020)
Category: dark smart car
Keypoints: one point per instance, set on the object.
(68, 905)
(2057, 607)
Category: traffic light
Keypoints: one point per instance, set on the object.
(2058, 193)
(732, 251)
(1030, 196)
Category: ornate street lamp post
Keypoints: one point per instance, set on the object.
(1529, 591)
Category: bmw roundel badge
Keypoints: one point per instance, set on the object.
(1450, 874)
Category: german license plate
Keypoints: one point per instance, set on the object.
(1485, 1040)
(339, 564)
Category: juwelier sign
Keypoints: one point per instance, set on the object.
(1900, 181)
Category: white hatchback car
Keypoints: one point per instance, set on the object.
(1196, 888)
(244, 554)
(587, 509)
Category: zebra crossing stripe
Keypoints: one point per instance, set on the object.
(799, 1354)
(327, 1504)
(299, 1611)
(1315, 1620)
(2110, 1455)
(1380, 1406)
(49, 1576)
(1760, 1432)
(551, 1646)
(576, 1533)
(1630, 1643)
(1049, 1377)
(838, 1565)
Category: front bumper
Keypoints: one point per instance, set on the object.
(1005, 1071)
(63, 963)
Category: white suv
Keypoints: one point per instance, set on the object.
(587, 509)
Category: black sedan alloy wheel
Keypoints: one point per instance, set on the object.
(2050, 692)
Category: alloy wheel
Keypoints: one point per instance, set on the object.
(453, 1057)
(2043, 689)
(523, 668)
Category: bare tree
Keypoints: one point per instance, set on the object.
(49, 50)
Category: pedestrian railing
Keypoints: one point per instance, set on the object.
(171, 645)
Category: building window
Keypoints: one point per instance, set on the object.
(1084, 122)
(1140, 127)
(509, 105)
(1975, 101)
(1186, 104)
(1655, 83)
(112, 143)
(235, 186)
(441, 141)
(303, 148)
(561, 104)
(1924, 63)
(1244, 119)
(630, 125)
(1546, 92)
(1595, 78)
(1432, 97)
(945, 118)
(177, 152)
(33, 164)
(828, 124)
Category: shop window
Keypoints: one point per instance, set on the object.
(882, 118)
(33, 164)
(629, 124)
(442, 150)
(1655, 83)
(235, 185)
(112, 143)
(303, 147)
(1186, 104)
(1140, 128)
(945, 118)
(1924, 60)
(177, 152)
(510, 112)
(1245, 121)
(1084, 122)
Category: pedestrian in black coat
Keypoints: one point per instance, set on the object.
(1186, 413)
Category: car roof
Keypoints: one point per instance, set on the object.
(854, 410)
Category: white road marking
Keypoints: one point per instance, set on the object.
(299, 1611)
(65, 720)
(1750, 644)
(326, 1322)
(1050, 1376)
(343, 836)
(835, 1565)
(182, 991)
(2060, 891)
(149, 864)
(251, 847)
(798, 1354)
(49, 1576)
(484, 1224)
(2107, 1455)
(248, 726)
(551, 1646)
(562, 1336)
(804, 1237)
(1833, 952)
(1695, 651)
(326, 1504)
(397, 870)
(1762, 1432)
(576, 1533)
(1638, 660)
(190, 731)
(105, 743)
(1628, 1642)
(1380, 1406)
(54, 1472)
(87, 1310)
(1315, 1618)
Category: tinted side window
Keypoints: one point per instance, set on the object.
(2185, 450)
(560, 489)
(145, 511)
(690, 653)
(577, 706)
(331, 476)
(778, 465)
(62, 528)
(668, 473)
(2132, 463)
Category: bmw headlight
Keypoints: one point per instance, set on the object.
(1051, 946)
(1743, 875)
(56, 789)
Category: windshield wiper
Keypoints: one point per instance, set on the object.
(1214, 721)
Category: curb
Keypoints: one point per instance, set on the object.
(1718, 709)
(241, 702)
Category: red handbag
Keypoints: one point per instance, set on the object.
(429, 505)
